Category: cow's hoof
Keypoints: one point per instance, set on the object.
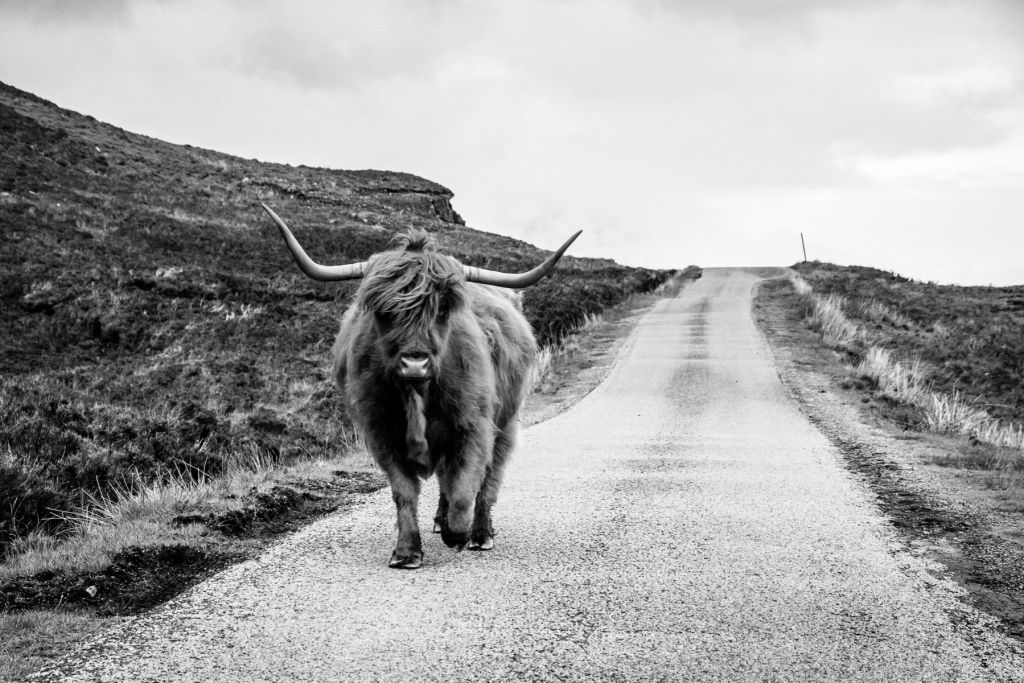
(454, 540)
(406, 560)
(437, 527)
(482, 543)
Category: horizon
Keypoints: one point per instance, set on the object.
(702, 133)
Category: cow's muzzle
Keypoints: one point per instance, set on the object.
(414, 367)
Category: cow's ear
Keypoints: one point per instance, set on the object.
(454, 298)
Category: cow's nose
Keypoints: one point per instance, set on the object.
(414, 366)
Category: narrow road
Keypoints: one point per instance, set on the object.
(684, 521)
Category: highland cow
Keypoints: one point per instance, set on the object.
(434, 362)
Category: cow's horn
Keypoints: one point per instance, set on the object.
(351, 271)
(520, 280)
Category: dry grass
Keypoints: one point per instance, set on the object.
(136, 514)
(556, 354)
(905, 382)
(800, 285)
(825, 315)
(953, 415)
(877, 312)
(90, 549)
(836, 330)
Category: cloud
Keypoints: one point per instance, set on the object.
(327, 45)
(68, 13)
(721, 129)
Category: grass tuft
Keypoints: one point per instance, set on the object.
(906, 382)
(827, 317)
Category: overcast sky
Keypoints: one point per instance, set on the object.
(672, 132)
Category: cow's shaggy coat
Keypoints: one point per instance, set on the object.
(459, 421)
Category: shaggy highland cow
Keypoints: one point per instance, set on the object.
(434, 364)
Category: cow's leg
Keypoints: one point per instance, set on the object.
(405, 490)
(460, 484)
(482, 535)
(441, 514)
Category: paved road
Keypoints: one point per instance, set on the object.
(683, 521)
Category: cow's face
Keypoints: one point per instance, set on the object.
(413, 342)
(413, 297)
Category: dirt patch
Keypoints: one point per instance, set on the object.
(947, 514)
(138, 578)
(286, 508)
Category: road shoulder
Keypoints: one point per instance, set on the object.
(941, 514)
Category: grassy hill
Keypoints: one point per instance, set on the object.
(153, 322)
(969, 341)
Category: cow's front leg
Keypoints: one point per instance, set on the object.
(405, 490)
(459, 486)
(482, 536)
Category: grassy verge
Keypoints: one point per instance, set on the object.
(970, 339)
(124, 553)
(872, 337)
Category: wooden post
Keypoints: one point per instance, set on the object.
(804, 246)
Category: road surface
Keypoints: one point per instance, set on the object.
(683, 521)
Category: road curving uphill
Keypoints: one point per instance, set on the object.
(683, 521)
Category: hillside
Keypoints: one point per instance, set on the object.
(152, 320)
(970, 340)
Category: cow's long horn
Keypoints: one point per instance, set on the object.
(518, 280)
(351, 271)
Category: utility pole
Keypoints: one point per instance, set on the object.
(804, 246)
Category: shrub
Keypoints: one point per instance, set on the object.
(558, 305)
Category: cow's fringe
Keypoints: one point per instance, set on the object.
(414, 284)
